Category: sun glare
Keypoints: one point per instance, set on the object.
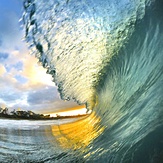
(69, 112)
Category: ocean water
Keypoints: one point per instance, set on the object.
(107, 54)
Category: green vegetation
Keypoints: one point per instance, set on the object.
(20, 114)
(4, 113)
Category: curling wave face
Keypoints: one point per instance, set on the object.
(75, 40)
(107, 54)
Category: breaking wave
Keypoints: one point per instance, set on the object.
(75, 40)
(109, 56)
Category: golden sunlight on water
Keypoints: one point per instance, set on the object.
(79, 134)
(78, 110)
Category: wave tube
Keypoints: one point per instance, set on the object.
(75, 40)
(107, 55)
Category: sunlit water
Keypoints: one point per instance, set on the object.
(108, 55)
(32, 141)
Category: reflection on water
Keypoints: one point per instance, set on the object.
(78, 135)
(47, 141)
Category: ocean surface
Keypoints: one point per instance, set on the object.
(108, 55)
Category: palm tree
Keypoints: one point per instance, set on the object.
(13, 112)
(5, 111)
(1, 110)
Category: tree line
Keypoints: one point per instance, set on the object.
(21, 114)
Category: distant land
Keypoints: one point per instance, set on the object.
(30, 115)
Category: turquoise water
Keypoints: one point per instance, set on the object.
(109, 56)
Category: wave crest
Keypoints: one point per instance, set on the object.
(75, 40)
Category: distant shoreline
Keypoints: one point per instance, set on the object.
(11, 117)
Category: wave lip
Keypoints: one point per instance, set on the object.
(75, 40)
(108, 55)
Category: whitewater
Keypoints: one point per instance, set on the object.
(108, 55)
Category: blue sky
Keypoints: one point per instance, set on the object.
(23, 83)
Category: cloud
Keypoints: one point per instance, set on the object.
(8, 96)
(42, 96)
(24, 84)
(3, 56)
(21, 79)
(42, 99)
(18, 65)
(2, 70)
(36, 73)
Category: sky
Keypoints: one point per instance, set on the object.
(23, 82)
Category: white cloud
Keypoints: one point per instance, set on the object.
(38, 92)
(2, 70)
